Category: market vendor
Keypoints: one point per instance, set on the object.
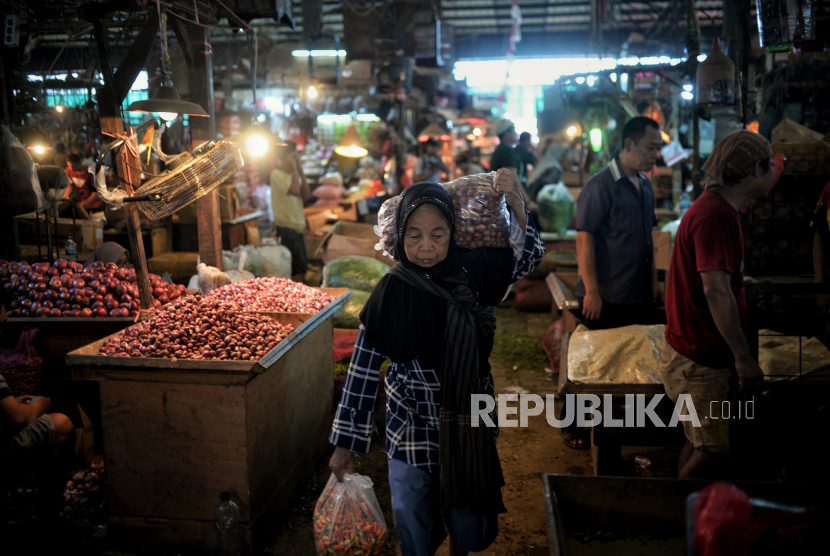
(614, 247)
(433, 316)
(30, 435)
(527, 156)
(81, 191)
(289, 189)
(111, 252)
(705, 303)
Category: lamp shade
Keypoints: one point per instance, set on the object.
(167, 99)
(350, 145)
(434, 131)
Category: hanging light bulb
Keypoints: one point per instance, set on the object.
(59, 109)
(168, 116)
(312, 92)
(571, 131)
(257, 144)
(39, 149)
(350, 145)
(477, 132)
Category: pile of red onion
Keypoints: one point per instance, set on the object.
(481, 215)
(482, 218)
(67, 289)
(279, 295)
(197, 327)
(84, 494)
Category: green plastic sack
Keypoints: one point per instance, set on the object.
(348, 316)
(556, 208)
(671, 227)
(354, 272)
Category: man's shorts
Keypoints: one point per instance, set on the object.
(34, 437)
(295, 242)
(708, 389)
(421, 523)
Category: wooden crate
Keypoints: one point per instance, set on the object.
(177, 433)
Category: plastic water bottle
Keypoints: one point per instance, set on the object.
(227, 526)
(70, 250)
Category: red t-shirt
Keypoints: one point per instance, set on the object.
(709, 238)
(83, 186)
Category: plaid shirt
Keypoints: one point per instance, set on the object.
(413, 392)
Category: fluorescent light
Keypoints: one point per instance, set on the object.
(688, 87)
(571, 131)
(168, 116)
(580, 80)
(336, 118)
(614, 77)
(477, 132)
(261, 118)
(317, 53)
(367, 118)
(591, 80)
(701, 57)
(273, 104)
(687, 95)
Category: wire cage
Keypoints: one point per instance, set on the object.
(191, 176)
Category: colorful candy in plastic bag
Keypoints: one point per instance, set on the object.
(348, 520)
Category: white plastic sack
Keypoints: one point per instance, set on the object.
(20, 191)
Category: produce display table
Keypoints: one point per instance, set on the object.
(607, 442)
(178, 433)
(612, 509)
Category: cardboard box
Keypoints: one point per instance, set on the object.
(180, 266)
(88, 234)
(319, 217)
(662, 250)
(352, 238)
(85, 438)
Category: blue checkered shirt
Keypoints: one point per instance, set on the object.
(413, 392)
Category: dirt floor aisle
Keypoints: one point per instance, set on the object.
(526, 453)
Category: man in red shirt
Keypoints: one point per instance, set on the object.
(81, 191)
(705, 303)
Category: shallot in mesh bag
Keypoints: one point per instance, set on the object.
(348, 520)
(482, 218)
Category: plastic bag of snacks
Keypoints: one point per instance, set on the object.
(482, 218)
(348, 520)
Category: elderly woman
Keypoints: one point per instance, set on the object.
(433, 316)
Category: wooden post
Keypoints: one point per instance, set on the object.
(693, 48)
(201, 130)
(111, 123)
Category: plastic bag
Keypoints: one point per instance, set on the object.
(482, 218)
(20, 191)
(330, 192)
(211, 278)
(348, 316)
(276, 260)
(252, 263)
(355, 272)
(481, 215)
(671, 227)
(348, 520)
(22, 366)
(556, 208)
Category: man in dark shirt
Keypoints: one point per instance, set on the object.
(614, 221)
(505, 156)
(524, 149)
(705, 302)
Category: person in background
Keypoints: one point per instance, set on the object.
(59, 159)
(432, 315)
(524, 148)
(81, 192)
(32, 438)
(429, 166)
(614, 247)
(705, 301)
(289, 190)
(467, 166)
(111, 252)
(505, 156)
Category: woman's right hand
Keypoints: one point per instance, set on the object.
(341, 462)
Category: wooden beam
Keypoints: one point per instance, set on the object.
(201, 130)
(128, 164)
(136, 57)
(184, 41)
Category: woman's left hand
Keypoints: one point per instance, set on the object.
(507, 182)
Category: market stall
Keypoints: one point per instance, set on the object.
(179, 432)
